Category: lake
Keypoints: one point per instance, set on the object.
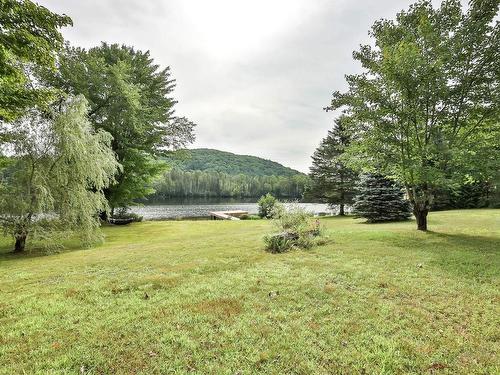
(200, 208)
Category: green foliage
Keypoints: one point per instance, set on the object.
(178, 183)
(474, 194)
(279, 242)
(380, 199)
(58, 169)
(139, 180)
(267, 205)
(208, 160)
(295, 227)
(130, 98)
(425, 109)
(331, 180)
(29, 37)
(250, 217)
(124, 213)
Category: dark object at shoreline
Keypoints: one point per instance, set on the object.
(121, 221)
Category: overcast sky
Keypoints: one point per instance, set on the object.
(254, 75)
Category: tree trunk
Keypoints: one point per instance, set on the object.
(104, 216)
(20, 243)
(421, 199)
(421, 216)
(342, 196)
(341, 210)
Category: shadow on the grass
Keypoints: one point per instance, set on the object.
(36, 251)
(463, 255)
(481, 244)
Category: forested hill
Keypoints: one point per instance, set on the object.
(212, 173)
(208, 160)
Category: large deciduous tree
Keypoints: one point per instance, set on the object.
(57, 169)
(331, 180)
(131, 98)
(29, 35)
(426, 106)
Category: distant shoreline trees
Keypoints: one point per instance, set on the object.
(177, 183)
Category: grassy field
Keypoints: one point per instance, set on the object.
(203, 297)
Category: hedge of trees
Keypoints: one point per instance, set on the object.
(178, 183)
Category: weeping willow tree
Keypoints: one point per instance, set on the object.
(55, 170)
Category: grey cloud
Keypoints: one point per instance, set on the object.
(266, 101)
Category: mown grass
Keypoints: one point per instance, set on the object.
(203, 297)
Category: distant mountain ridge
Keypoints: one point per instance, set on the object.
(210, 160)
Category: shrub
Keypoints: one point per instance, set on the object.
(250, 217)
(124, 213)
(266, 205)
(279, 242)
(295, 228)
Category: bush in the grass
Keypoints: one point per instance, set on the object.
(279, 242)
(124, 213)
(266, 205)
(295, 227)
(250, 217)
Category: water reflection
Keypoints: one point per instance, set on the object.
(200, 208)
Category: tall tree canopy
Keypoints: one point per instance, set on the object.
(426, 106)
(29, 35)
(129, 97)
(331, 180)
(57, 169)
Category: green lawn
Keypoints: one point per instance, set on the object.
(180, 297)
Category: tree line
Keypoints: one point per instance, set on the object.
(179, 183)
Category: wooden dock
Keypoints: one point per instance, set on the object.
(227, 215)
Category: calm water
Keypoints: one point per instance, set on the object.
(201, 208)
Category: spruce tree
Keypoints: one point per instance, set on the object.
(331, 180)
(380, 199)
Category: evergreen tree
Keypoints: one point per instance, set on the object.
(380, 199)
(331, 181)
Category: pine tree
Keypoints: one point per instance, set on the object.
(380, 199)
(331, 180)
